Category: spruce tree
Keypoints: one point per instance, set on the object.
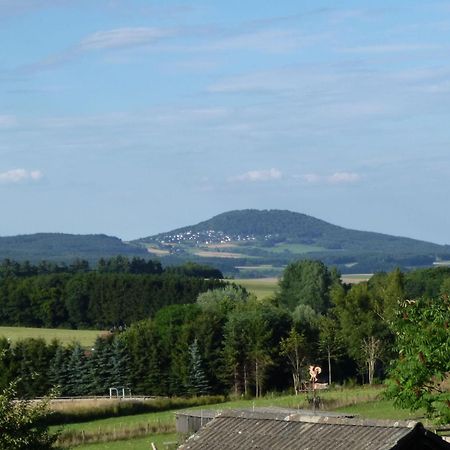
(78, 376)
(119, 366)
(197, 381)
(100, 361)
(57, 372)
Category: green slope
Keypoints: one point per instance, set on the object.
(64, 247)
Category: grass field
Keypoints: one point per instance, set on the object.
(158, 251)
(367, 402)
(85, 337)
(355, 278)
(332, 398)
(297, 249)
(160, 440)
(214, 254)
(382, 409)
(261, 287)
(265, 287)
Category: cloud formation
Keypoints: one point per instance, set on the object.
(18, 175)
(335, 178)
(258, 175)
(122, 37)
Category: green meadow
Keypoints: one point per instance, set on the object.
(366, 402)
(266, 287)
(85, 337)
(261, 287)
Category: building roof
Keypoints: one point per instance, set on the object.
(263, 431)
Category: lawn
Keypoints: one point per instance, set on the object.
(85, 337)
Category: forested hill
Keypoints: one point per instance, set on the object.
(65, 247)
(281, 226)
(244, 243)
(252, 243)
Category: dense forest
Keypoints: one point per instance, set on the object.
(119, 291)
(224, 340)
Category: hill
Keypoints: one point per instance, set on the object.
(262, 241)
(65, 247)
(246, 243)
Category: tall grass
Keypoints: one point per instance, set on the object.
(72, 438)
(87, 410)
(115, 428)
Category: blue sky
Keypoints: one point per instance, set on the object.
(135, 117)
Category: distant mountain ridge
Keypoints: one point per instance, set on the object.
(241, 243)
(63, 247)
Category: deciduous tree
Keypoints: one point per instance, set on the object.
(420, 376)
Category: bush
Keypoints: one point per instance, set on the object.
(23, 423)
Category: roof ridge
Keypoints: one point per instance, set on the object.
(319, 419)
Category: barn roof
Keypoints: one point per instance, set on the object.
(265, 430)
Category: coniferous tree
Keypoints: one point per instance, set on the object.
(119, 363)
(99, 363)
(197, 381)
(57, 371)
(78, 375)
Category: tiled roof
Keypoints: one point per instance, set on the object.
(263, 431)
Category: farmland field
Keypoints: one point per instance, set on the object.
(261, 287)
(214, 254)
(85, 337)
(264, 287)
(298, 249)
(355, 278)
(158, 251)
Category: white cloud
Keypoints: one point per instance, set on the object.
(343, 177)
(258, 175)
(19, 175)
(123, 37)
(335, 178)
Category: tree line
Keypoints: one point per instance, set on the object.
(118, 291)
(227, 341)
